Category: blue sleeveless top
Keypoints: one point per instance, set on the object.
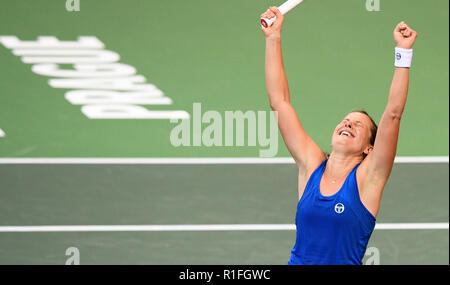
(331, 229)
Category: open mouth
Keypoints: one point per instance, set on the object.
(346, 133)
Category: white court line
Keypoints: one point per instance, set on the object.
(194, 160)
(224, 227)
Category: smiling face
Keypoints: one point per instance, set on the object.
(353, 134)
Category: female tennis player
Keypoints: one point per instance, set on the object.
(339, 194)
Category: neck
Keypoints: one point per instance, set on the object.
(340, 164)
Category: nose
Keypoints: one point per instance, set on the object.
(348, 124)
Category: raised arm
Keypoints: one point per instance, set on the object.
(303, 149)
(377, 166)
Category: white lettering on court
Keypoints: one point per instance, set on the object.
(105, 88)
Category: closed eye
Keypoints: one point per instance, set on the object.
(357, 123)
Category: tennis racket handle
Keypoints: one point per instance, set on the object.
(284, 8)
(267, 22)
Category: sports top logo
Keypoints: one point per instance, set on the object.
(339, 208)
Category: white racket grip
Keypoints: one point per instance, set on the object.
(267, 22)
(284, 8)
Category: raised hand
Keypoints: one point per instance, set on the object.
(275, 29)
(404, 36)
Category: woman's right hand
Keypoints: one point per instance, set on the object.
(275, 30)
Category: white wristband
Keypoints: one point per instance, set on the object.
(403, 57)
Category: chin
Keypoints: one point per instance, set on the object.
(343, 147)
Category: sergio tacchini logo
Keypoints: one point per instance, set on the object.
(339, 208)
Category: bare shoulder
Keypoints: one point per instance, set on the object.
(370, 186)
(304, 173)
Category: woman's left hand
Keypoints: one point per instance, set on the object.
(404, 36)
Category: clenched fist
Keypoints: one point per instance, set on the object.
(275, 29)
(404, 36)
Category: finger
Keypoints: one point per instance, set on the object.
(406, 28)
(413, 34)
(276, 11)
(400, 26)
(269, 14)
(406, 32)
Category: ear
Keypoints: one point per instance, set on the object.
(368, 149)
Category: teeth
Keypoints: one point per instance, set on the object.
(345, 133)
